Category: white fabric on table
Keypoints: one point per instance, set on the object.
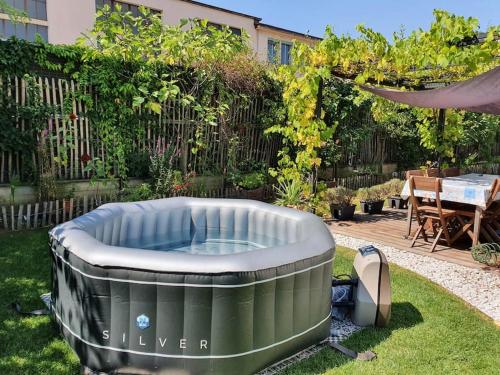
(471, 188)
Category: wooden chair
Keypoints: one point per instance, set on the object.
(414, 172)
(490, 217)
(432, 172)
(490, 224)
(435, 217)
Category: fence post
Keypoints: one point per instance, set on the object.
(4, 215)
(35, 217)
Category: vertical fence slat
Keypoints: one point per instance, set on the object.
(4, 216)
(13, 223)
(85, 204)
(28, 216)
(35, 217)
(49, 213)
(20, 217)
(63, 210)
(57, 212)
(44, 214)
(71, 201)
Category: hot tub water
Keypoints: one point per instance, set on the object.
(206, 241)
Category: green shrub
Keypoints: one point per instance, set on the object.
(374, 193)
(162, 161)
(380, 192)
(364, 194)
(252, 181)
(394, 187)
(340, 196)
(290, 194)
(142, 192)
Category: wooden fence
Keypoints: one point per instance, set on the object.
(486, 168)
(379, 147)
(45, 214)
(361, 181)
(77, 137)
(27, 216)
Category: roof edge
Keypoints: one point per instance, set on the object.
(214, 7)
(288, 31)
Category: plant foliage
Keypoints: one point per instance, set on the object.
(448, 51)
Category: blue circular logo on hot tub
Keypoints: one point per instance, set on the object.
(142, 321)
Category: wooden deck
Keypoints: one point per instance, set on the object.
(389, 229)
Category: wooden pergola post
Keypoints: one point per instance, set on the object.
(440, 133)
(319, 104)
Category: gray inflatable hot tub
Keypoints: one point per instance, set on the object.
(191, 286)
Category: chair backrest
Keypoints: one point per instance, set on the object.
(431, 184)
(451, 172)
(432, 172)
(414, 172)
(495, 189)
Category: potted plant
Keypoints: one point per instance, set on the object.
(341, 203)
(364, 195)
(394, 187)
(290, 194)
(252, 185)
(372, 199)
(68, 195)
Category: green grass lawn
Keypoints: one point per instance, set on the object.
(431, 331)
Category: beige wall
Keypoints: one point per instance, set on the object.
(264, 34)
(68, 19)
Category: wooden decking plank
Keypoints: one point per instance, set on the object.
(389, 229)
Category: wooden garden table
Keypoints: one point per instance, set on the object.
(473, 189)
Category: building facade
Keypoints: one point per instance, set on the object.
(63, 21)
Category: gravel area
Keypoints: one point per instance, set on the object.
(479, 288)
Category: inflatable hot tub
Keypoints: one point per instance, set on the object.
(191, 286)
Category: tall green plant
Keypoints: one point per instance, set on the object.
(136, 64)
(448, 51)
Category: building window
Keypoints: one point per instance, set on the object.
(279, 51)
(272, 50)
(126, 7)
(36, 9)
(218, 26)
(286, 48)
(22, 30)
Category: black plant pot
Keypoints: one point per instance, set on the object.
(372, 207)
(397, 202)
(342, 212)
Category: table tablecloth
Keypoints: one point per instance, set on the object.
(471, 188)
